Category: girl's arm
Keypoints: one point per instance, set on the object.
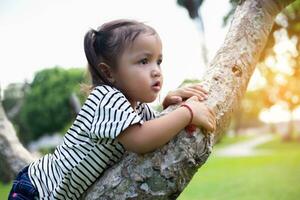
(157, 132)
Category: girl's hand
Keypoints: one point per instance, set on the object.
(203, 115)
(181, 94)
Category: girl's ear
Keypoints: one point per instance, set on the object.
(107, 71)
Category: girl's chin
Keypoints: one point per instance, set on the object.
(150, 99)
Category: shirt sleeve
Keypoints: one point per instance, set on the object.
(113, 115)
(146, 112)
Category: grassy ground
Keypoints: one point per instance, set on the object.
(4, 190)
(273, 176)
(225, 141)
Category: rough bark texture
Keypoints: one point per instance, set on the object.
(13, 156)
(164, 173)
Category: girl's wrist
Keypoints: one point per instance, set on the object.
(190, 128)
(190, 111)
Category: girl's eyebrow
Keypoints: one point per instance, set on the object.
(147, 54)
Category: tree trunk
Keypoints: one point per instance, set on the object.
(164, 173)
(13, 156)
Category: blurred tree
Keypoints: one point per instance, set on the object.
(13, 100)
(193, 8)
(281, 63)
(46, 107)
(247, 115)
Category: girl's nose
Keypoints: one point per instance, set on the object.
(156, 73)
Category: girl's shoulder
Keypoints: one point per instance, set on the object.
(101, 91)
(102, 94)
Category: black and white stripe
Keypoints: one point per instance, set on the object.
(89, 146)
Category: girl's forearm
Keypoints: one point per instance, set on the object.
(154, 133)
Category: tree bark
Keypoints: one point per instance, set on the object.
(13, 156)
(164, 174)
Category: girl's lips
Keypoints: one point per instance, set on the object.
(156, 86)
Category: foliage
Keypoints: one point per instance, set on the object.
(46, 107)
(190, 81)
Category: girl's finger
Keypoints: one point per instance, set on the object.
(188, 94)
(201, 95)
(200, 88)
(195, 98)
(211, 112)
(176, 99)
(212, 122)
(210, 127)
(200, 91)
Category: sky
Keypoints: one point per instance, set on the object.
(38, 34)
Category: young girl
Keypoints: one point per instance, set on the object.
(124, 58)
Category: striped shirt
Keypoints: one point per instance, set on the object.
(89, 146)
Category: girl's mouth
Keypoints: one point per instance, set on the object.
(156, 86)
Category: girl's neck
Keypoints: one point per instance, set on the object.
(133, 105)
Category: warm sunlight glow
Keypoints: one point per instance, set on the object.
(256, 81)
(284, 49)
(278, 113)
(280, 79)
(281, 64)
(275, 114)
(284, 44)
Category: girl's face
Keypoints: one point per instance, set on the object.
(138, 74)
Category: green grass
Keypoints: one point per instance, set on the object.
(274, 176)
(225, 141)
(4, 190)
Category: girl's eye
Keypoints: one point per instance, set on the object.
(144, 61)
(159, 61)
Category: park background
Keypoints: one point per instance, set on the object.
(43, 60)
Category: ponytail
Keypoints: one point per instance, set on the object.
(93, 60)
